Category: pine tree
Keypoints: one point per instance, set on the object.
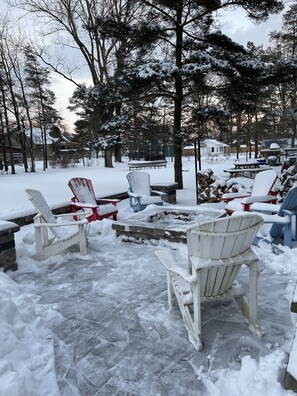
(186, 48)
(42, 98)
(284, 51)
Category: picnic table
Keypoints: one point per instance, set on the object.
(247, 169)
(246, 164)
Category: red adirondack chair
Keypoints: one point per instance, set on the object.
(84, 199)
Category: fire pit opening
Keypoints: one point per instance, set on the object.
(169, 223)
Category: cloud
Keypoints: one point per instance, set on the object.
(241, 29)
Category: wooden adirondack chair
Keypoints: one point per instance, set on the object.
(140, 193)
(49, 234)
(84, 199)
(281, 217)
(262, 191)
(216, 251)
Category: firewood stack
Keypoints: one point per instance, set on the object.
(211, 189)
(287, 179)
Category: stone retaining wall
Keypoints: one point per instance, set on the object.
(7, 246)
(25, 219)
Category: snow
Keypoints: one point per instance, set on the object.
(6, 225)
(100, 324)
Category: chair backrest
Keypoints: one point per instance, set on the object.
(264, 182)
(289, 203)
(83, 190)
(139, 182)
(222, 239)
(40, 204)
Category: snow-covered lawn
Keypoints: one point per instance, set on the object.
(100, 324)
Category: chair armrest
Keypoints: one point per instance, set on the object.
(133, 195)
(77, 214)
(265, 207)
(170, 265)
(158, 193)
(84, 205)
(69, 214)
(230, 196)
(71, 223)
(113, 201)
(275, 219)
(258, 198)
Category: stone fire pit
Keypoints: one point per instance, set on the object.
(163, 222)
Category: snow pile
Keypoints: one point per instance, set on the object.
(26, 350)
(256, 377)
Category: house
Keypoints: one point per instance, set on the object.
(58, 145)
(282, 143)
(5, 153)
(208, 147)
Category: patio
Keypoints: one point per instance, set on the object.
(113, 333)
(106, 324)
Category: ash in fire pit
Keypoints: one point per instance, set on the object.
(169, 223)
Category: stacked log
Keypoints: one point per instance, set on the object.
(287, 179)
(211, 189)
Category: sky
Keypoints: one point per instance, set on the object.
(241, 29)
(100, 324)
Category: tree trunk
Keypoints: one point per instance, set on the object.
(256, 138)
(7, 130)
(293, 107)
(178, 101)
(3, 145)
(31, 139)
(118, 153)
(108, 158)
(238, 130)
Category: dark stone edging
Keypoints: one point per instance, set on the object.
(27, 218)
(7, 246)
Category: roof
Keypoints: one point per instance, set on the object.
(214, 142)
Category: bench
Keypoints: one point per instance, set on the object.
(147, 164)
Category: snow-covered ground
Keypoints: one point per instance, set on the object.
(100, 324)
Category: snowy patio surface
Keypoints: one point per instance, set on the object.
(100, 324)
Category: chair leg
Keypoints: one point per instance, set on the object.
(82, 240)
(38, 239)
(249, 309)
(197, 312)
(288, 234)
(193, 326)
(169, 290)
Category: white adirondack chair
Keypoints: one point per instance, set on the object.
(49, 234)
(262, 191)
(140, 193)
(216, 251)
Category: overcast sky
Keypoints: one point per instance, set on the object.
(241, 29)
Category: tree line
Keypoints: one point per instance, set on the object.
(163, 69)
